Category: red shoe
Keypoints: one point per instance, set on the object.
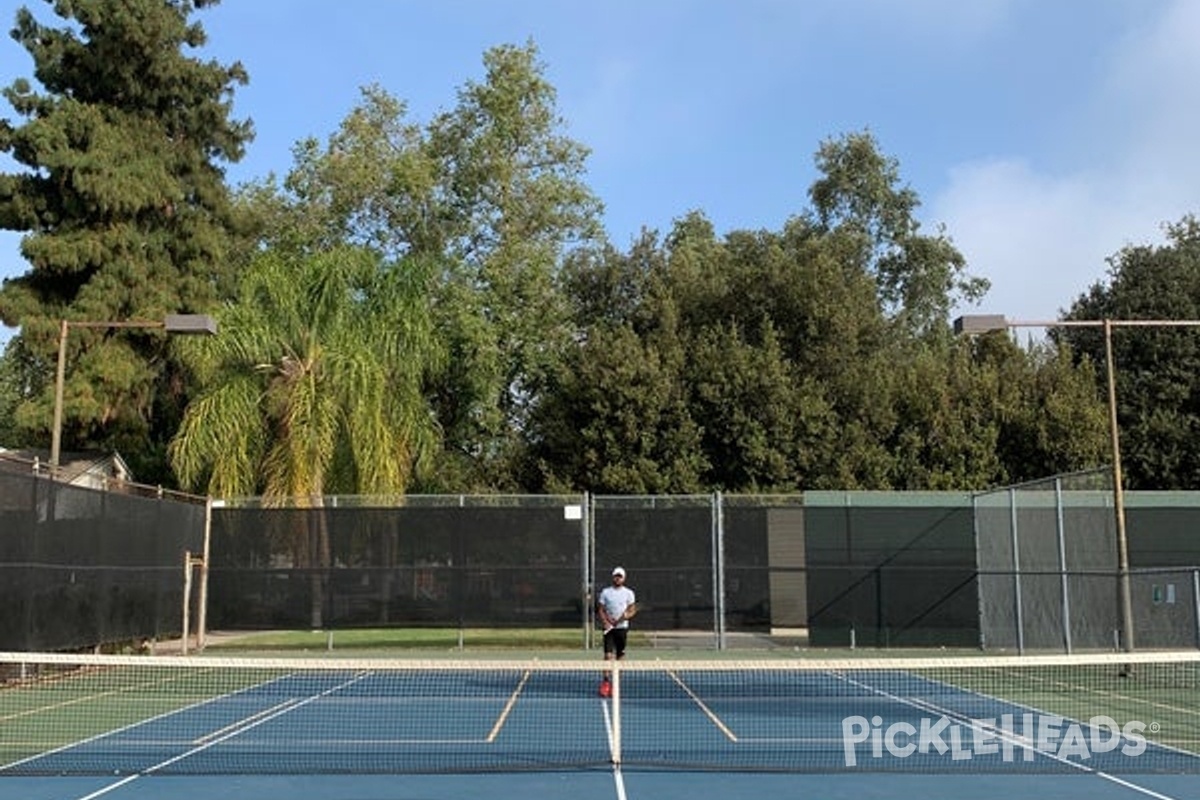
(605, 689)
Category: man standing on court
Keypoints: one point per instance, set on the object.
(616, 606)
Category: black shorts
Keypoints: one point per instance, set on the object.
(614, 641)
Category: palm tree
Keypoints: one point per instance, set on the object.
(313, 387)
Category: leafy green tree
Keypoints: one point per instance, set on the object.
(12, 391)
(617, 420)
(991, 413)
(859, 194)
(722, 333)
(519, 184)
(373, 184)
(745, 397)
(826, 314)
(808, 358)
(614, 414)
(1156, 367)
(122, 197)
(315, 384)
(314, 387)
(494, 191)
(941, 438)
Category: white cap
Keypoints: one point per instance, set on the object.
(619, 571)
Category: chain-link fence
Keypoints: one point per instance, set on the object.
(1030, 567)
(718, 565)
(1166, 607)
(1047, 558)
(891, 569)
(713, 570)
(80, 567)
(477, 561)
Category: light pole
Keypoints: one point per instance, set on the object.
(985, 323)
(193, 324)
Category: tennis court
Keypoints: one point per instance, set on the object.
(597, 786)
(134, 726)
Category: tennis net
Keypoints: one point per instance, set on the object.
(97, 714)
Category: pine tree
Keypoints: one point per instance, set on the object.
(122, 201)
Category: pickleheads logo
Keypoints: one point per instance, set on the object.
(1012, 737)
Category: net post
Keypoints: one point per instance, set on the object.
(616, 713)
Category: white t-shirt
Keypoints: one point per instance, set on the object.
(615, 600)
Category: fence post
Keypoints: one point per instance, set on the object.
(589, 604)
(718, 566)
(187, 602)
(206, 553)
(1196, 603)
(1016, 551)
(1062, 565)
(980, 579)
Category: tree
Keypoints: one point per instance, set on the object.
(617, 420)
(706, 347)
(943, 436)
(491, 189)
(744, 395)
(12, 391)
(517, 182)
(123, 202)
(988, 412)
(314, 387)
(820, 312)
(315, 384)
(1158, 393)
(814, 357)
(919, 277)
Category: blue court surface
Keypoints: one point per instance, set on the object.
(606, 785)
(134, 729)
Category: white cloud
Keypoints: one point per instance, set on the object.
(1040, 241)
(1043, 238)
(1154, 93)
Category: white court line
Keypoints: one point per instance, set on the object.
(242, 722)
(1139, 701)
(721, 726)
(110, 787)
(232, 733)
(927, 706)
(508, 707)
(132, 725)
(608, 729)
(1015, 704)
(618, 778)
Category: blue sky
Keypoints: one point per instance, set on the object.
(1044, 135)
